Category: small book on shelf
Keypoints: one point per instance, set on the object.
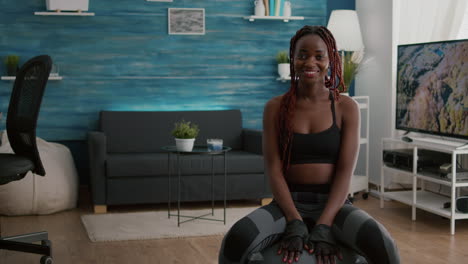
(281, 8)
(277, 7)
(267, 7)
(272, 7)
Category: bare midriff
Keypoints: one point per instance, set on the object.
(311, 173)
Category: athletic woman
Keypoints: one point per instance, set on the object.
(310, 147)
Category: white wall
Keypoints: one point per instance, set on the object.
(463, 34)
(375, 79)
(379, 26)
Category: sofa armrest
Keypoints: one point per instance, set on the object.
(97, 151)
(252, 140)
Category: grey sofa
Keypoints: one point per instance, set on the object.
(127, 165)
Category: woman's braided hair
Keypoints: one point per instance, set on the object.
(288, 102)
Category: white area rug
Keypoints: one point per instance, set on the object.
(156, 224)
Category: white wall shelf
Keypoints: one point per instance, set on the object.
(12, 78)
(61, 13)
(282, 79)
(285, 19)
(418, 197)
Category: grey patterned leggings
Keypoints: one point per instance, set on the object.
(252, 238)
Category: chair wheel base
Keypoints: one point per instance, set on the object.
(46, 260)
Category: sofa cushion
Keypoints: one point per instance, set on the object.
(147, 132)
(155, 164)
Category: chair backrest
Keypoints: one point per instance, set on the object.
(23, 111)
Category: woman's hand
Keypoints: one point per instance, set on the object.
(321, 242)
(292, 241)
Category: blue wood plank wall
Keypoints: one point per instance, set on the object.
(123, 59)
(339, 4)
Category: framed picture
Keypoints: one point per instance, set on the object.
(186, 21)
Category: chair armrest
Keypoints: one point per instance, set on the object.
(252, 140)
(97, 151)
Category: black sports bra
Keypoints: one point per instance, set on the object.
(321, 147)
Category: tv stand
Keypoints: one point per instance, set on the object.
(419, 197)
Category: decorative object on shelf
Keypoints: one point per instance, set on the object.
(54, 72)
(12, 63)
(259, 8)
(274, 10)
(282, 59)
(67, 5)
(344, 25)
(287, 11)
(266, 4)
(185, 133)
(272, 7)
(186, 21)
(278, 8)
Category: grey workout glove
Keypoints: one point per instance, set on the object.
(322, 243)
(293, 237)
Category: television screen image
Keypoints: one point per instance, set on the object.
(432, 88)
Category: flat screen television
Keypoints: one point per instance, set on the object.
(432, 88)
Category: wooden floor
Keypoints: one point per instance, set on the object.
(424, 241)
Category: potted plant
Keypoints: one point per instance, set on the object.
(282, 59)
(351, 66)
(185, 133)
(11, 63)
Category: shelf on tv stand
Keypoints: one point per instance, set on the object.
(418, 197)
(455, 144)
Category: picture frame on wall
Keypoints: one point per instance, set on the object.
(186, 21)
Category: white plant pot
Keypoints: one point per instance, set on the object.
(67, 5)
(184, 144)
(284, 70)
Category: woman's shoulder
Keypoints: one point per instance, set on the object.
(347, 104)
(271, 109)
(273, 103)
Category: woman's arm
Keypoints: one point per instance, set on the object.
(344, 168)
(273, 167)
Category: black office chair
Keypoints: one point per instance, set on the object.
(23, 111)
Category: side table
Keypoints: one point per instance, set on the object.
(197, 150)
